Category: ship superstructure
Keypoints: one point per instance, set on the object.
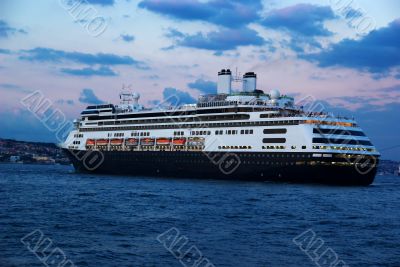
(246, 134)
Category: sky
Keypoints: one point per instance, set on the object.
(345, 54)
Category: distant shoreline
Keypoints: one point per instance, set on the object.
(34, 163)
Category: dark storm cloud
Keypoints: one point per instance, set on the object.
(377, 52)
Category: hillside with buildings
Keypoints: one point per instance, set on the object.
(31, 152)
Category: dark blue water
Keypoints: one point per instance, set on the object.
(115, 221)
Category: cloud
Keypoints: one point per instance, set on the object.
(391, 89)
(185, 67)
(299, 43)
(153, 77)
(5, 51)
(224, 39)
(14, 87)
(88, 97)
(302, 19)
(81, 21)
(65, 101)
(6, 30)
(379, 51)
(154, 102)
(353, 102)
(372, 99)
(177, 97)
(127, 38)
(168, 48)
(231, 14)
(87, 72)
(41, 54)
(9, 86)
(351, 13)
(174, 33)
(100, 2)
(206, 87)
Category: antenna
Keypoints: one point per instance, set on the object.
(126, 94)
(237, 78)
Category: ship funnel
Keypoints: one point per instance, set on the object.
(224, 81)
(249, 82)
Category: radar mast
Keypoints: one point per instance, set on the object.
(126, 95)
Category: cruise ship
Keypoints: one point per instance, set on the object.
(245, 134)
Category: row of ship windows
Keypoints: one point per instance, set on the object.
(212, 118)
(115, 135)
(273, 147)
(282, 147)
(206, 125)
(288, 156)
(312, 163)
(140, 134)
(245, 158)
(344, 148)
(181, 133)
(337, 132)
(229, 132)
(318, 131)
(167, 120)
(233, 132)
(185, 113)
(259, 156)
(342, 141)
(245, 155)
(217, 132)
(322, 140)
(269, 163)
(230, 103)
(234, 147)
(76, 142)
(261, 162)
(200, 133)
(201, 111)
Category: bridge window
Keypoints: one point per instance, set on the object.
(274, 140)
(275, 131)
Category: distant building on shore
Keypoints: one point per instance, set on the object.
(44, 159)
(15, 159)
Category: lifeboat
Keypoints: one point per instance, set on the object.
(117, 142)
(90, 142)
(132, 142)
(179, 141)
(102, 142)
(196, 141)
(147, 141)
(163, 141)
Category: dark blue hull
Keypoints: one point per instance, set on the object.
(251, 166)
